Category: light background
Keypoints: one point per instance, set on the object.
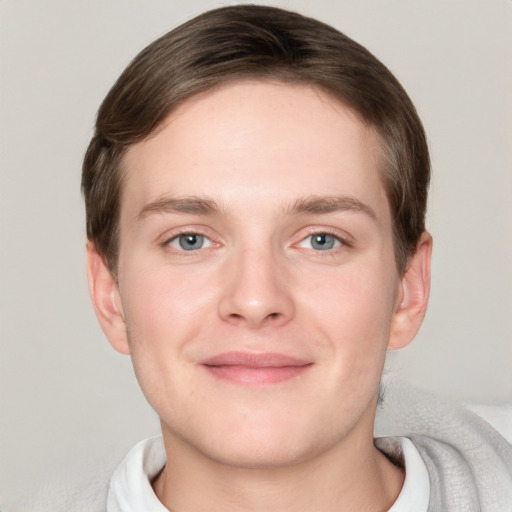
(64, 393)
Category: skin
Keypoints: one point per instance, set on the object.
(259, 169)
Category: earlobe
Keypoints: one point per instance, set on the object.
(413, 296)
(105, 299)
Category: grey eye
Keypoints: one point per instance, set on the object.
(323, 241)
(191, 241)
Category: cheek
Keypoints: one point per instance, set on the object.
(163, 313)
(160, 303)
(362, 293)
(353, 310)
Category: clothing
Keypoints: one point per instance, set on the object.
(468, 461)
(415, 493)
(455, 458)
(130, 487)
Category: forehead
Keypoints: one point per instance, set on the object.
(262, 138)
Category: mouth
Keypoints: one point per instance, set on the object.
(253, 369)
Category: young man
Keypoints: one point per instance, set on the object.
(255, 194)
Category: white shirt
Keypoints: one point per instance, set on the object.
(131, 491)
(415, 493)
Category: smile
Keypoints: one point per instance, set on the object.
(253, 369)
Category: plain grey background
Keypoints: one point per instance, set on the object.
(65, 396)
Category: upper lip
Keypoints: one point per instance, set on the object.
(254, 360)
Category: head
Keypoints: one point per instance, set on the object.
(255, 197)
(249, 41)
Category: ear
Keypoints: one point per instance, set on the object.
(413, 295)
(106, 301)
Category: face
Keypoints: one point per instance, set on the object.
(257, 288)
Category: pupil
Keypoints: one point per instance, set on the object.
(191, 242)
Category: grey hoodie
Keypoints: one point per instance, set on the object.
(469, 462)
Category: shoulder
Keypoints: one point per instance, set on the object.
(469, 462)
(72, 490)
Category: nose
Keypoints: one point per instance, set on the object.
(255, 291)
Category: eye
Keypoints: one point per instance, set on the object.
(189, 242)
(321, 242)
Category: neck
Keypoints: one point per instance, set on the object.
(350, 476)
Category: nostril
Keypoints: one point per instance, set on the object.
(272, 317)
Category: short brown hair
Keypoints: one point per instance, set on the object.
(249, 41)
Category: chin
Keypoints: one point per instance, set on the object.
(263, 452)
(265, 439)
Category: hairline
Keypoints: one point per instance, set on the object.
(383, 152)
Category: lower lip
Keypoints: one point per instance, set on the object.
(254, 376)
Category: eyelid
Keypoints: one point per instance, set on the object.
(343, 237)
(178, 248)
(337, 243)
(173, 234)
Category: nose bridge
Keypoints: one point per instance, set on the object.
(255, 291)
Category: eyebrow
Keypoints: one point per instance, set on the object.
(193, 204)
(331, 204)
(309, 204)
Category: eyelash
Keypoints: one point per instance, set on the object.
(166, 244)
(345, 242)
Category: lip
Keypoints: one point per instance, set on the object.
(255, 368)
